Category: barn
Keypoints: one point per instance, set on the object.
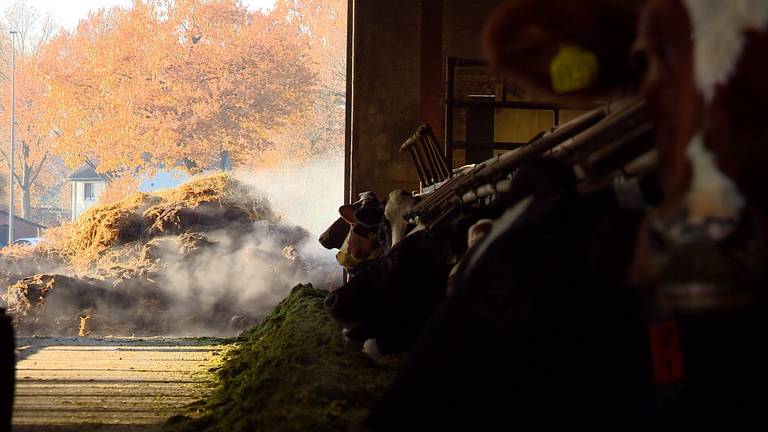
(421, 63)
(21, 228)
(553, 219)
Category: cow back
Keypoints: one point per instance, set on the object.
(542, 332)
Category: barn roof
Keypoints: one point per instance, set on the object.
(85, 172)
(21, 219)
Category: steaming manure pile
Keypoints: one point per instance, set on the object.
(210, 257)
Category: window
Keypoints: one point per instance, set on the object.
(89, 192)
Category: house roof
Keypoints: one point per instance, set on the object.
(85, 172)
(21, 219)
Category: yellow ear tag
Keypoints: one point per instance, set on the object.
(572, 69)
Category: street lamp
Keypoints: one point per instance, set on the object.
(13, 137)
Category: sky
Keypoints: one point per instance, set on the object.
(68, 13)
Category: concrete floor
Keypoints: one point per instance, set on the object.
(110, 384)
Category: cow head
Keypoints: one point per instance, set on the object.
(399, 204)
(557, 51)
(356, 232)
(700, 66)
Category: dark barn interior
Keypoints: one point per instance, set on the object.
(607, 296)
(398, 62)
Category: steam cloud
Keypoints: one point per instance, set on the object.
(307, 194)
(218, 282)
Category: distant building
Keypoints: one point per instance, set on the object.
(87, 185)
(21, 228)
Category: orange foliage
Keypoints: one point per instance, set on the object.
(320, 131)
(172, 80)
(34, 141)
(118, 189)
(163, 81)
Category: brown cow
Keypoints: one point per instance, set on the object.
(701, 66)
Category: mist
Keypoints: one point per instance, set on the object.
(306, 194)
(216, 281)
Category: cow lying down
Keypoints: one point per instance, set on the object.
(541, 333)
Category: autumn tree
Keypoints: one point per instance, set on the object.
(323, 24)
(32, 171)
(166, 80)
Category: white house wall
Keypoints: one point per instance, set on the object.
(79, 203)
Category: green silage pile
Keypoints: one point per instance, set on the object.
(292, 372)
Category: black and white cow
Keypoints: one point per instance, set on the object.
(399, 204)
(392, 299)
(357, 233)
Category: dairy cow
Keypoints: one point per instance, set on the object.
(386, 306)
(699, 64)
(368, 228)
(535, 322)
(357, 232)
(541, 332)
(702, 261)
(702, 258)
(538, 335)
(399, 203)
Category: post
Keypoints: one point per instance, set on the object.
(74, 200)
(7, 370)
(13, 137)
(450, 64)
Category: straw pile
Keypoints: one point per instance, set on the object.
(116, 270)
(214, 202)
(37, 310)
(16, 262)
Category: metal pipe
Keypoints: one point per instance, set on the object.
(423, 177)
(431, 162)
(13, 138)
(440, 166)
(501, 166)
(579, 136)
(411, 145)
(450, 63)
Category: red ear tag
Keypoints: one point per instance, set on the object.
(666, 352)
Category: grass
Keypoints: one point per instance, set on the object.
(291, 372)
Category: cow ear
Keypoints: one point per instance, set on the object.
(347, 212)
(564, 51)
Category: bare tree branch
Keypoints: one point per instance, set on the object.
(36, 171)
